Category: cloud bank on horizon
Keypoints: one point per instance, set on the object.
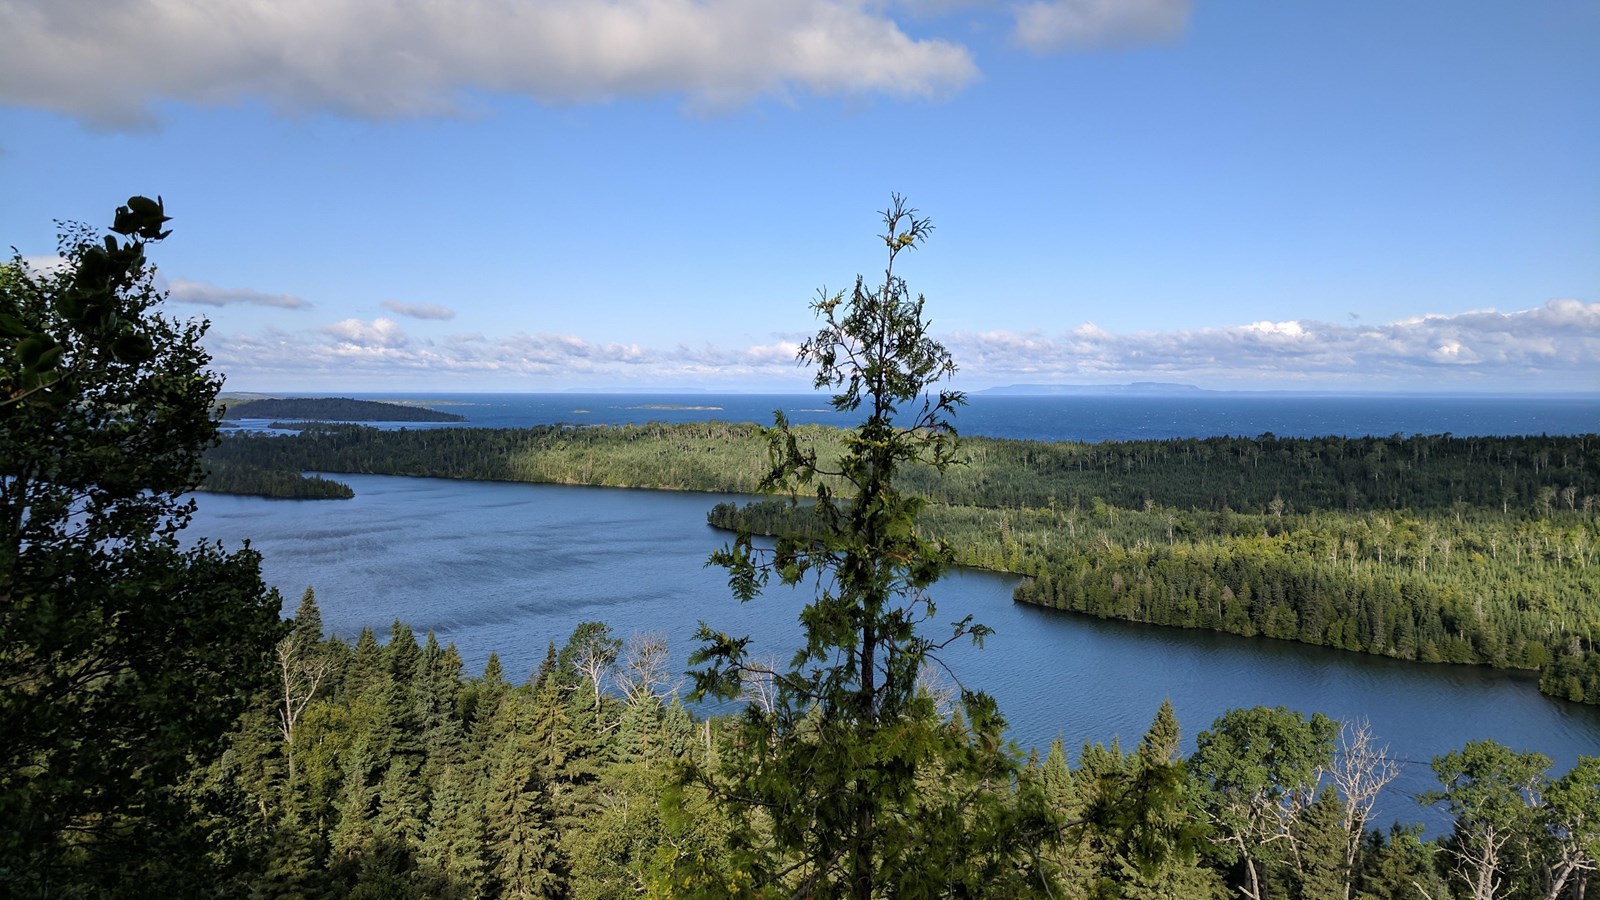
(111, 65)
(1555, 347)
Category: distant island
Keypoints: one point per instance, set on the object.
(336, 409)
(1138, 387)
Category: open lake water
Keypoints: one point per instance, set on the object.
(509, 568)
(1070, 418)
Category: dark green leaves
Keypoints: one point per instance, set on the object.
(132, 348)
(13, 327)
(38, 353)
(142, 218)
(87, 303)
(124, 653)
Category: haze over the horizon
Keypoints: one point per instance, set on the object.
(550, 194)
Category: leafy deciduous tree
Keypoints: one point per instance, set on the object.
(124, 653)
(1493, 793)
(1260, 768)
(1572, 804)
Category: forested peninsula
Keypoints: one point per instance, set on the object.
(1479, 550)
(336, 409)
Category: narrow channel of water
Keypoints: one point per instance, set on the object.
(509, 568)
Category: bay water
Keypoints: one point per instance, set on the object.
(509, 568)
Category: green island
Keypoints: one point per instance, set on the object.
(335, 409)
(1477, 550)
(223, 477)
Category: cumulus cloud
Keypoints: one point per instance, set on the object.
(1553, 347)
(381, 347)
(420, 310)
(354, 335)
(109, 63)
(199, 293)
(1050, 25)
(1289, 330)
(1556, 346)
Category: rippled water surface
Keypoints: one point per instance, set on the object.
(509, 568)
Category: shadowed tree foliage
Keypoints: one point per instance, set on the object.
(125, 653)
(534, 790)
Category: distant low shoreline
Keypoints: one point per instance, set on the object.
(1088, 418)
(335, 409)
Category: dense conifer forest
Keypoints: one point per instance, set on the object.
(284, 484)
(380, 768)
(1521, 474)
(1478, 550)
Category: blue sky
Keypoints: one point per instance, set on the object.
(529, 195)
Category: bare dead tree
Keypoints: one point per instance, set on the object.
(1360, 772)
(1572, 864)
(1572, 823)
(934, 681)
(1477, 862)
(302, 669)
(759, 684)
(644, 673)
(596, 656)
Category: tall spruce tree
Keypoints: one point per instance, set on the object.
(1157, 821)
(453, 852)
(824, 784)
(303, 667)
(525, 853)
(1317, 865)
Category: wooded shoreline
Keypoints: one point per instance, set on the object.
(1478, 550)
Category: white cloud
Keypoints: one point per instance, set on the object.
(1450, 352)
(778, 352)
(1553, 347)
(108, 63)
(1050, 25)
(357, 336)
(44, 265)
(199, 293)
(1556, 345)
(420, 310)
(353, 348)
(1277, 329)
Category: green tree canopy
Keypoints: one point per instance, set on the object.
(1260, 768)
(125, 652)
(1493, 793)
